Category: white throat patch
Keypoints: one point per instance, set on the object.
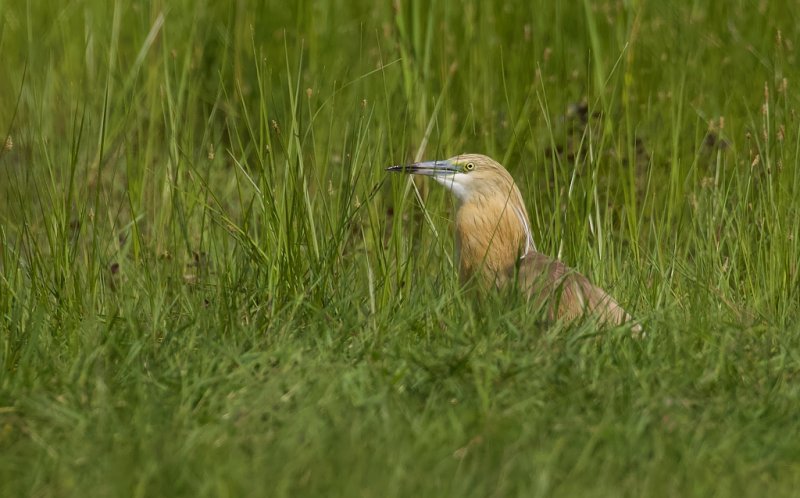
(457, 183)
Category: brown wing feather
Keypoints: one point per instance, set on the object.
(565, 293)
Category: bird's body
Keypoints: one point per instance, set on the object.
(496, 248)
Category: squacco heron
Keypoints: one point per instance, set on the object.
(495, 245)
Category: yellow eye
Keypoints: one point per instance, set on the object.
(470, 166)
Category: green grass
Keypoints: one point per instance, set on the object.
(210, 287)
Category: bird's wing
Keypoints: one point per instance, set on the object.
(564, 292)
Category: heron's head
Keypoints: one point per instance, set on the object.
(465, 175)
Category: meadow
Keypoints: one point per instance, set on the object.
(209, 285)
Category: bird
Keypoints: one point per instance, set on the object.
(495, 246)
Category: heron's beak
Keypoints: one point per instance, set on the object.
(442, 167)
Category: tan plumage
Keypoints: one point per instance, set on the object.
(495, 246)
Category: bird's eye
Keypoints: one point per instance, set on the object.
(470, 166)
